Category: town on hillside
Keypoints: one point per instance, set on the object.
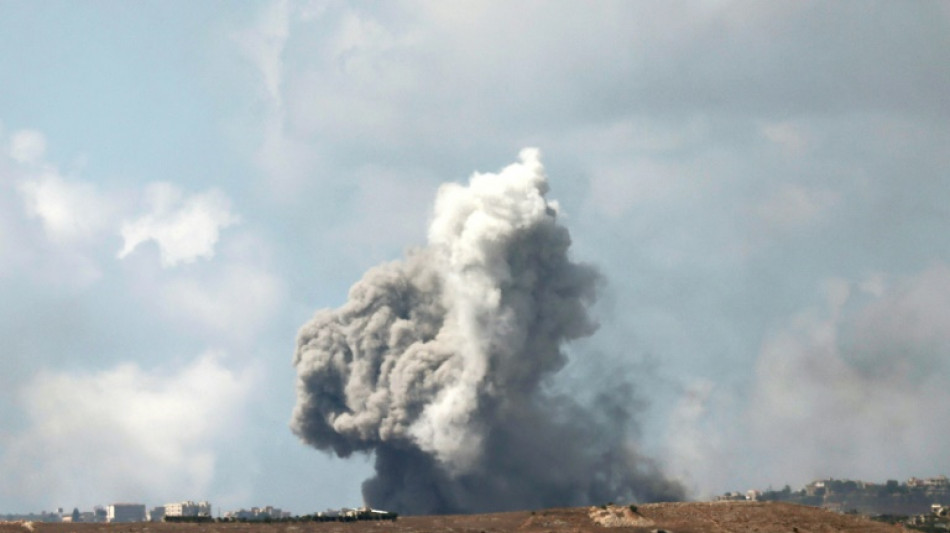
(917, 501)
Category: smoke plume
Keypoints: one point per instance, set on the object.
(437, 365)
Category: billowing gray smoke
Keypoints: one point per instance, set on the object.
(437, 364)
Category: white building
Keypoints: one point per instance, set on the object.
(126, 512)
(188, 508)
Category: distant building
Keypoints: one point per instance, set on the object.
(188, 508)
(938, 482)
(731, 497)
(156, 514)
(126, 512)
(815, 488)
(258, 513)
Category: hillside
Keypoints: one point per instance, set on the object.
(716, 517)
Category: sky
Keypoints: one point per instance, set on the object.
(762, 185)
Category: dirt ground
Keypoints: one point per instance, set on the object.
(717, 517)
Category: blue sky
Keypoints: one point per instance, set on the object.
(182, 184)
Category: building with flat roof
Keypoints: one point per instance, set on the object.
(126, 512)
(188, 508)
(157, 514)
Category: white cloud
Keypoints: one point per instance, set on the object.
(358, 43)
(184, 228)
(27, 146)
(312, 9)
(854, 387)
(281, 155)
(124, 432)
(70, 210)
(49, 222)
(264, 46)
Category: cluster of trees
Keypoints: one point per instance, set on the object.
(190, 519)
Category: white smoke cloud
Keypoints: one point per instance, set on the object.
(695, 447)
(437, 364)
(123, 432)
(184, 228)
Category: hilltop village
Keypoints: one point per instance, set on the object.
(917, 500)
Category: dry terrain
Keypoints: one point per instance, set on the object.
(718, 517)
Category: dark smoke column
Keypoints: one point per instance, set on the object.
(435, 364)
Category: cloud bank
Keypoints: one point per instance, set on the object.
(123, 433)
(852, 388)
(863, 379)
